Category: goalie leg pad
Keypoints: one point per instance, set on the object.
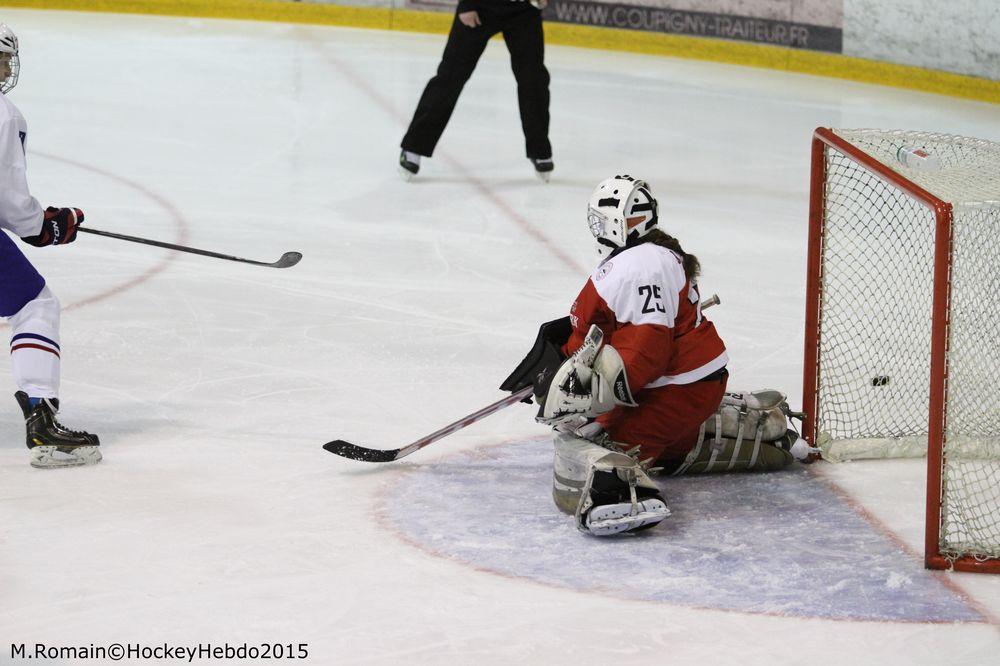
(728, 455)
(744, 414)
(749, 432)
(606, 491)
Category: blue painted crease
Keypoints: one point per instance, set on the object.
(779, 543)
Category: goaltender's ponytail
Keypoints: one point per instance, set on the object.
(692, 267)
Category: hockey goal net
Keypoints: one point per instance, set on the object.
(902, 354)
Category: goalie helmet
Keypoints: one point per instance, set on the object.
(621, 210)
(8, 56)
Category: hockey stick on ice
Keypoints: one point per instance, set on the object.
(286, 260)
(355, 452)
(345, 449)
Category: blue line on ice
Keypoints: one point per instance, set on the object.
(780, 543)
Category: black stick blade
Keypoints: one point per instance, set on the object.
(355, 452)
(288, 260)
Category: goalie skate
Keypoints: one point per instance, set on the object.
(609, 519)
(50, 443)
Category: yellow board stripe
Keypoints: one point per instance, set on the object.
(696, 48)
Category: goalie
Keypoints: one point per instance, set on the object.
(634, 380)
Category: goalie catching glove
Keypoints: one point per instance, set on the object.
(590, 382)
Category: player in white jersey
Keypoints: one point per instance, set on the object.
(636, 377)
(29, 306)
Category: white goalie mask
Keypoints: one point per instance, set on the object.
(8, 57)
(621, 209)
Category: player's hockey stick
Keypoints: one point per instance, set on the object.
(287, 259)
(354, 452)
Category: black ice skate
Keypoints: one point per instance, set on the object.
(543, 168)
(51, 444)
(409, 164)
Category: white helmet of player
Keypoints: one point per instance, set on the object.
(10, 64)
(621, 209)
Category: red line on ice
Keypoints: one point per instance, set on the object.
(385, 521)
(159, 267)
(463, 170)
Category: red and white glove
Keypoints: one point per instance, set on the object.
(58, 227)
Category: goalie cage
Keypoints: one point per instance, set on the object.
(902, 344)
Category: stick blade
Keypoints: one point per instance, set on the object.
(354, 452)
(288, 260)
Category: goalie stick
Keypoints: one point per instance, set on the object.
(286, 260)
(346, 449)
(355, 452)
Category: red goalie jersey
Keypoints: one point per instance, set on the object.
(674, 358)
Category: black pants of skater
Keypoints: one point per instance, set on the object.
(522, 32)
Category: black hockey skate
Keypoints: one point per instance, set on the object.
(543, 168)
(51, 444)
(408, 167)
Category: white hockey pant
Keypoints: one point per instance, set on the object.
(34, 346)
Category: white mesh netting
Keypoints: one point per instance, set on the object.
(875, 323)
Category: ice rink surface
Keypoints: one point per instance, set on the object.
(216, 516)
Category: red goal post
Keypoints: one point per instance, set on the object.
(902, 340)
